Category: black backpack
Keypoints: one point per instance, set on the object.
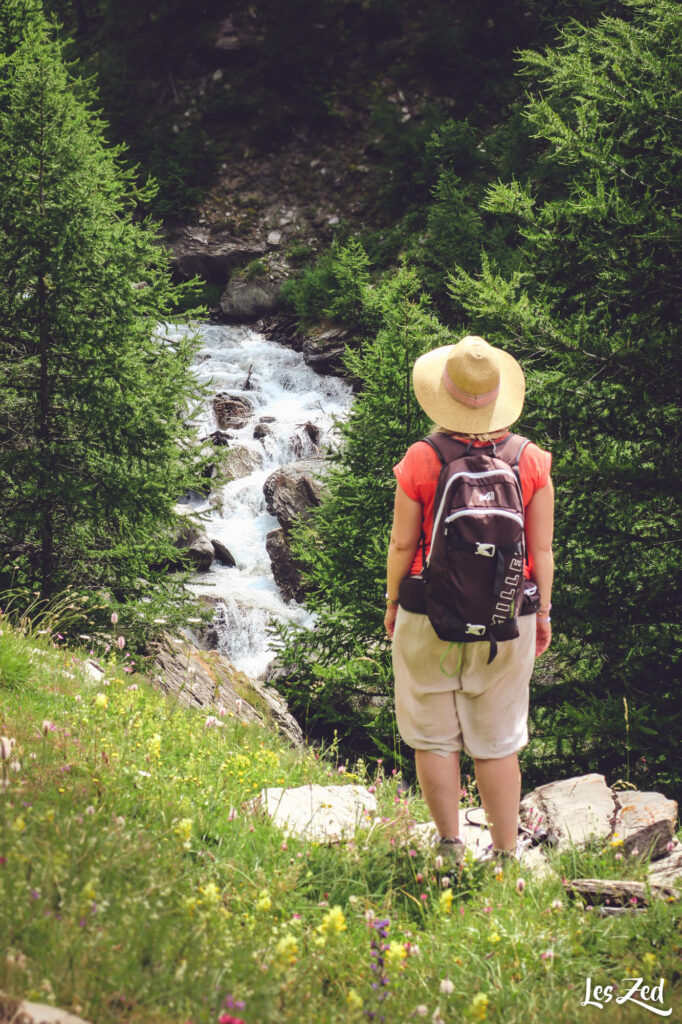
(473, 580)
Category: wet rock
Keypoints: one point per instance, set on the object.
(321, 814)
(324, 352)
(223, 554)
(285, 569)
(266, 419)
(313, 432)
(245, 301)
(231, 410)
(293, 490)
(197, 547)
(241, 460)
(282, 328)
(262, 430)
(220, 438)
(195, 253)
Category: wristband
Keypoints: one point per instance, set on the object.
(390, 600)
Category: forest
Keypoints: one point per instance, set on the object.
(508, 169)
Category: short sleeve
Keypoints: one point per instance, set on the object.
(418, 472)
(534, 469)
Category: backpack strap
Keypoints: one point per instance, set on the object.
(510, 451)
(444, 440)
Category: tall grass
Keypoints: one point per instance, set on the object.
(139, 882)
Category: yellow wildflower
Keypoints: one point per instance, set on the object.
(649, 959)
(264, 902)
(493, 937)
(89, 891)
(19, 825)
(210, 893)
(101, 700)
(286, 950)
(479, 1006)
(333, 922)
(353, 999)
(154, 746)
(445, 901)
(616, 840)
(183, 830)
(396, 952)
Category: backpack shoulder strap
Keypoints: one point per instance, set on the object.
(511, 450)
(443, 444)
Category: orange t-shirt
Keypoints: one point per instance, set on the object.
(419, 470)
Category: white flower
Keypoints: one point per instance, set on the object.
(7, 744)
(447, 987)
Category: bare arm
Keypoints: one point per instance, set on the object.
(405, 534)
(539, 533)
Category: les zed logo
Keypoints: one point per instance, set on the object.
(601, 994)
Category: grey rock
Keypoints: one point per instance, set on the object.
(573, 811)
(266, 419)
(207, 680)
(322, 814)
(293, 490)
(231, 410)
(245, 301)
(645, 822)
(23, 1012)
(220, 438)
(668, 870)
(284, 567)
(262, 430)
(197, 547)
(194, 253)
(324, 352)
(223, 554)
(241, 460)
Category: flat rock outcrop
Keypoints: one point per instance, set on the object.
(196, 252)
(321, 814)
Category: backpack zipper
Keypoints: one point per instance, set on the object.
(471, 476)
(485, 512)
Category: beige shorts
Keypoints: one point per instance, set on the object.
(480, 708)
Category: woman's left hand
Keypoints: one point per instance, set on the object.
(389, 618)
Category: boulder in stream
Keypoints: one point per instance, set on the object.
(324, 352)
(231, 411)
(293, 490)
(222, 553)
(285, 568)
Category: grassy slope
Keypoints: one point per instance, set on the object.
(136, 883)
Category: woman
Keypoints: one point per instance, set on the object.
(474, 392)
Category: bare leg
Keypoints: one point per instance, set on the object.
(439, 780)
(499, 783)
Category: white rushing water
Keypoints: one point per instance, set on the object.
(284, 387)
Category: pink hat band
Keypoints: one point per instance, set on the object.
(473, 401)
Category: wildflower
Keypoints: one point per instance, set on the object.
(494, 937)
(341, 769)
(437, 1017)
(101, 700)
(444, 882)
(232, 814)
(222, 710)
(547, 955)
(438, 862)
(47, 726)
(238, 704)
(19, 825)
(133, 687)
(670, 846)
(15, 766)
(7, 745)
(649, 959)
(183, 830)
(120, 642)
(618, 856)
(557, 905)
(333, 923)
(353, 999)
(445, 901)
(479, 1006)
(616, 840)
(211, 722)
(78, 698)
(154, 746)
(520, 885)
(264, 902)
(114, 618)
(370, 917)
(447, 987)
(210, 893)
(396, 952)
(421, 1010)
(287, 950)
(227, 1018)
(90, 809)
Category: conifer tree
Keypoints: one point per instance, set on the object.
(95, 395)
(591, 310)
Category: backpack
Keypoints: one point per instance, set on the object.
(473, 577)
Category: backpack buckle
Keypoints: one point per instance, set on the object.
(485, 549)
(475, 630)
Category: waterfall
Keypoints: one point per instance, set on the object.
(279, 385)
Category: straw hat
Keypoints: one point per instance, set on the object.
(470, 387)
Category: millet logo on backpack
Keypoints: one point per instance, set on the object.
(486, 497)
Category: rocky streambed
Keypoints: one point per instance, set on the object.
(270, 417)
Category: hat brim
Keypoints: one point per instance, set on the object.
(446, 411)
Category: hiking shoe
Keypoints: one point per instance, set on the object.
(491, 855)
(451, 852)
